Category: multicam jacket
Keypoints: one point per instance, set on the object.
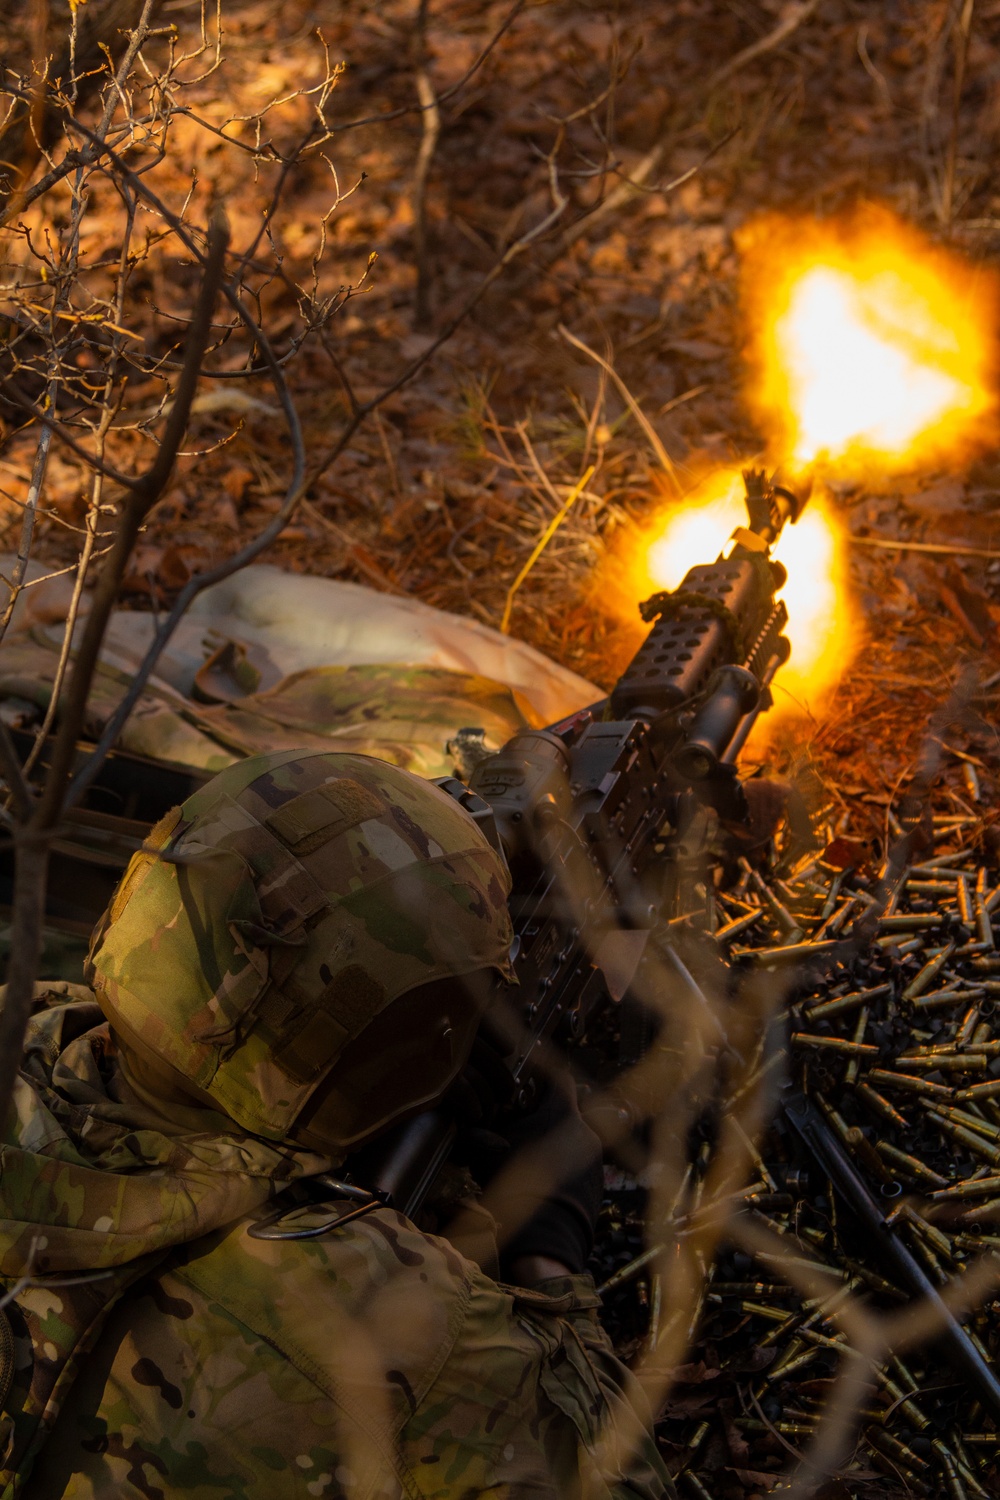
(150, 1347)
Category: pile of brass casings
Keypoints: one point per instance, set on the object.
(893, 1032)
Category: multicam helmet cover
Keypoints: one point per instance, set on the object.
(269, 919)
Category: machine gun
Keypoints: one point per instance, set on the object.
(595, 814)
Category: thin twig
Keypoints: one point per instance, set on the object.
(428, 145)
(954, 549)
(543, 542)
(666, 462)
(961, 55)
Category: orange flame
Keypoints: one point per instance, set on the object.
(870, 351)
(819, 618)
(869, 347)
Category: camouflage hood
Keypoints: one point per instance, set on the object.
(88, 1181)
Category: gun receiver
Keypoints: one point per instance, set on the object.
(592, 813)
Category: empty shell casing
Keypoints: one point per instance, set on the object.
(962, 1117)
(982, 1187)
(896, 1449)
(910, 1083)
(876, 1282)
(911, 1165)
(925, 977)
(861, 1027)
(834, 1044)
(762, 1310)
(826, 1009)
(984, 927)
(903, 1402)
(698, 1436)
(737, 925)
(863, 1149)
(968, 1138)
(976, 1091)
(980, 1243)
(948, 1062)
(948, 996)
(779, 1372)
(879, 1105)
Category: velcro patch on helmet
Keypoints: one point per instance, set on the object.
(317, 816)
(350, 1001)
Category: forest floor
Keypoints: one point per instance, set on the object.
(743, 108)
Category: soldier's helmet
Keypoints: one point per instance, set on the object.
(302, 945)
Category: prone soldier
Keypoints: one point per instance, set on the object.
(297, 960)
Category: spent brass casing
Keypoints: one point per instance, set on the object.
(911, 1165)
(879, 1105)
(976, 1091)
(699, 1435)
(896, 1449)
(914, 921)
(939, 1242)
(762, 1310)
(890, 943)
(963, 900)
(787, 1429)
(780, 1372)
(984, 927)
(626, 1273)
(972, 1122)
(834, 924)
(968, 1138)
(929, 887)
(948, 1062)
(953, 1482)
(778, 910)
(788, 953)
(837, 1122)
(834, 1044)
(979, 1243)
(737, 925)
(722, 1289)
(825, 1009)
(876, 1282)
(694, 1485)
(861, 1027)
(902, 1401)
(863, 1149)
(777, 1333)
(910, 1083)
(831, 898)
(982, 1187)
(948, 996)
(925, 977)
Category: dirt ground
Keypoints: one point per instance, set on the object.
(445, 490)
(726, 109)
